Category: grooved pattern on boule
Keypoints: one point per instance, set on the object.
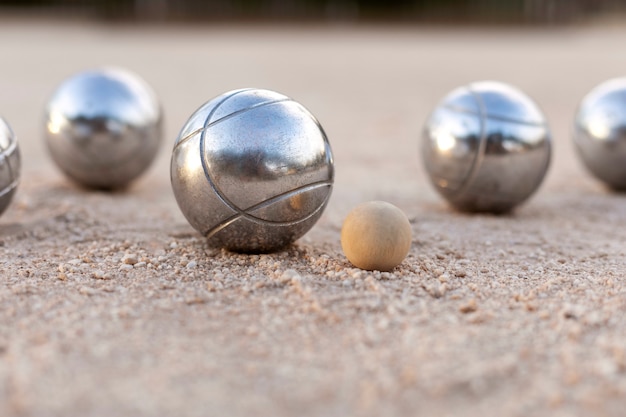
(486, 147)
(252, 170)
(10, 165)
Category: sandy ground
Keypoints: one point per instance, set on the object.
(520, 315)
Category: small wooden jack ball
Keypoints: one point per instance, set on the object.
(376, 236)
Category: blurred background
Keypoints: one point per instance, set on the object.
(434, 11)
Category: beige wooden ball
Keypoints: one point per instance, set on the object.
(376, 236)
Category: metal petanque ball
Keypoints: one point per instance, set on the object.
(103, 127)
(600, 132)
(252, 170)
(10, 165)
(486, 147)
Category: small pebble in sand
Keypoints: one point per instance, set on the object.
(376, 236)
(130, 259)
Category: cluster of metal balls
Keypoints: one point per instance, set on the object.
(252, 169)
(487, 148)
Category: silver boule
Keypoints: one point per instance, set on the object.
(252, 170)
(486, 147)
(600, 132)
(103, 127)
(10, 165)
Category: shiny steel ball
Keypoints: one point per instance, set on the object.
(10, 165)
(103, 127)
(252, 170)
(600, 132)
(486, 147)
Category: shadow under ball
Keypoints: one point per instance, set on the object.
(486, 147)
(103, 127)
(10, 165)
(600, 132)
(252, 170)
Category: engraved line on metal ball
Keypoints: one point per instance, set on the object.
(3, 159)
(221, 119)
(497, 118)
(482, 144)
(195, 132)
(238, 112)
(9, 188)
(10, 149)
(246, 215)
(205, 164)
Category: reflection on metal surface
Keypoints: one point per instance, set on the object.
(486, 147)
(103, 127)
(600, 132)
(252, 170)
(10, 165)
